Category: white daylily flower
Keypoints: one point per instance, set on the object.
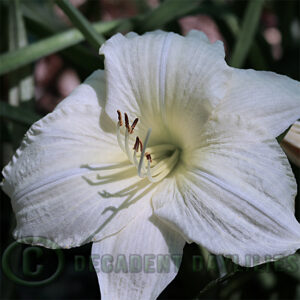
(213, 172)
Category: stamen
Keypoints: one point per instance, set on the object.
(143, 152)
(136, 149)
(119, 124)
(120, 118)
(127, 122)
(161, 151)
(148, 156)
(136, 163)
(136, 144)
(167, 168)
(133, 125)
(127, 146)
(163, 163)
(141, 146)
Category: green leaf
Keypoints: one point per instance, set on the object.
(142, 6)
(82, 58)
(42, 13)
(21, 82)
(15, 59)
(77, 18)
(12, 60)
(166, 12)
(17, 32)
(17, 114)
(289, 265)
(221, 265)
(215, 283)
(256, 56)
(247, 33)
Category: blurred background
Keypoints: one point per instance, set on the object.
(48, 47)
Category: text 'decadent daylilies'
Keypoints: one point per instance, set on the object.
(169, 144)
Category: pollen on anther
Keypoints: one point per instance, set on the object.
(127, 122)
(136, 144)
(141, 145)
(133, 125)
(120, 118)
(148, 156)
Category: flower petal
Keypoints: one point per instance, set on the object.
(139, 261)
(235, 195)
(69, 181)
(163, 78)
(270, 99)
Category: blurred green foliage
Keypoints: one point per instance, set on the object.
(32, 29)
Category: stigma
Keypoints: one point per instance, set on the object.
(155, 163)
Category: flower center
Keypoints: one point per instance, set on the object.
(155, 163)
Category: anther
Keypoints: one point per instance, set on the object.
(148, 156)
(133, 125)
(136, 144)
(120, 118)
(141, 145)
(127, 122)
